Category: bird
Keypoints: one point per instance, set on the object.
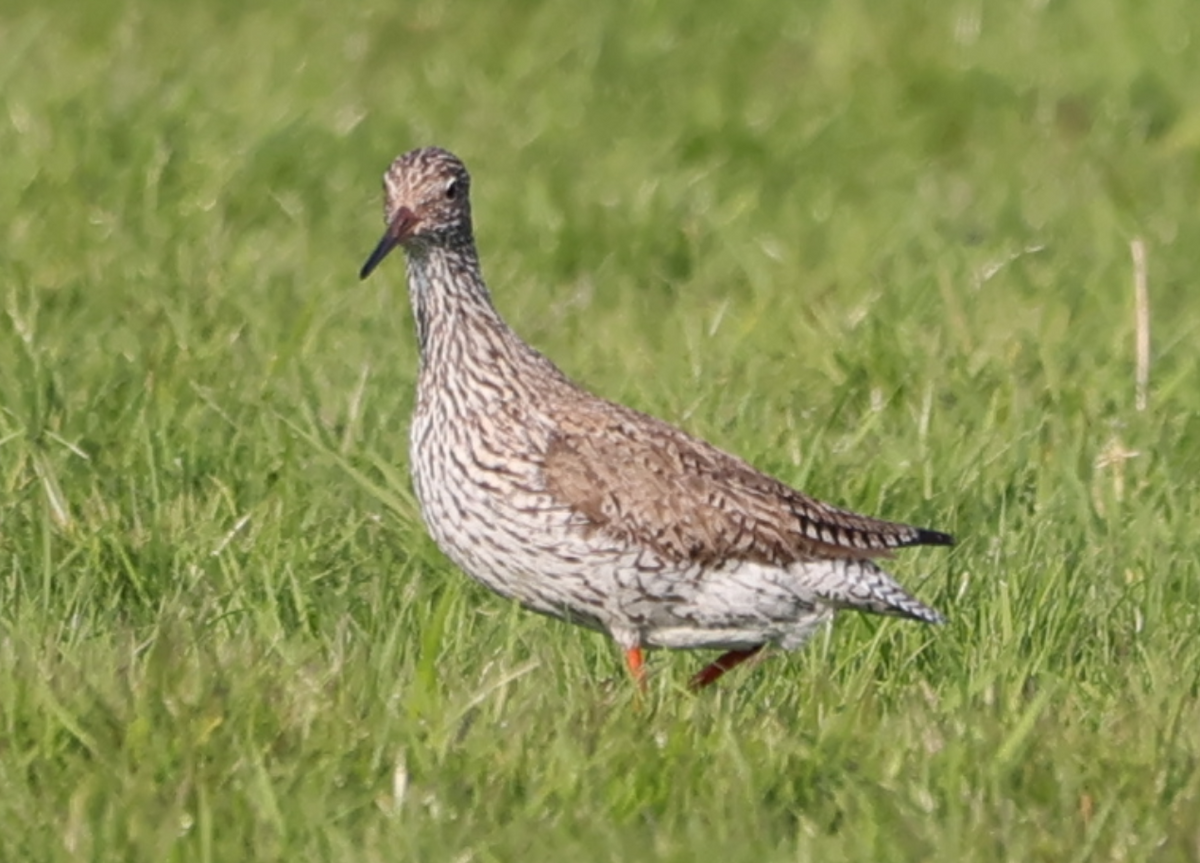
(589, 511)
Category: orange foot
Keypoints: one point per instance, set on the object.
(637, 666)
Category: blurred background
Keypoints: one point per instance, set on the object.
(883, 252)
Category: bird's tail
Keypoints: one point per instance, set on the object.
(862, 585)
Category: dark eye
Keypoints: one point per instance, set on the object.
(452, 190)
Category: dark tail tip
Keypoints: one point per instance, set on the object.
(932, 537)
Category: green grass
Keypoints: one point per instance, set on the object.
(881, 252)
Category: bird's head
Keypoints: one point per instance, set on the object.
(425, 203)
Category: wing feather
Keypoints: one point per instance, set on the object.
(648, 483)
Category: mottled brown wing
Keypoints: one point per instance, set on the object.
(650, 484)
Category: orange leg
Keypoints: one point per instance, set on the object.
(711, 673)
(637, 666)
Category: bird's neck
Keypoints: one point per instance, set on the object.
(458, 329)
(470, 359)
(448, 294)
(463, 340)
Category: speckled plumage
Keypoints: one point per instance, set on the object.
(592, 512)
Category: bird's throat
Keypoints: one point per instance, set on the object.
(448, 297)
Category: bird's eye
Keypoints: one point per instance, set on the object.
(452, 190)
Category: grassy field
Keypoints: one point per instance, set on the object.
(882, 252)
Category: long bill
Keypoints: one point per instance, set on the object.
(398, 230)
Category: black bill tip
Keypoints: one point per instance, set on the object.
(400, 228)
(386, 244)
